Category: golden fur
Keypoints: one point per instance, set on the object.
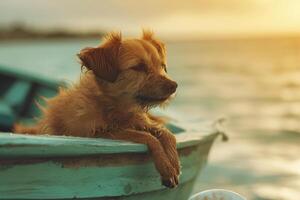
(124, 79)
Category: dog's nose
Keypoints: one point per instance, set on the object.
(170, 87)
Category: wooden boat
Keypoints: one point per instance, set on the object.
(18, 93)
(59, 167)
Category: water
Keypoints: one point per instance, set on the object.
(253, 82)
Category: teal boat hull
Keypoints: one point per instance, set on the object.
(59, 167)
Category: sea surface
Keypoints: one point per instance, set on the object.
(255, 83)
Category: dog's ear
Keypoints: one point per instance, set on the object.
(103, 60)
(148, 35)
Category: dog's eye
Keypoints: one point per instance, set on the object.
(141, 67)
(164, 66)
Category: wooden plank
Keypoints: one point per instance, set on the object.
(48, 146)
(14, 145)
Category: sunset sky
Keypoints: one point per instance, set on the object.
(172, 18)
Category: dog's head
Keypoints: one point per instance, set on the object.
(132, 69)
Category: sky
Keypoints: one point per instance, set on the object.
(171, 18)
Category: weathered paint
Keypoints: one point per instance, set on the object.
(44, 167)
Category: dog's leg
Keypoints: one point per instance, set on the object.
(168, 141)
(161, 161)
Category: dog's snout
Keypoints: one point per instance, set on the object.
(170, 87)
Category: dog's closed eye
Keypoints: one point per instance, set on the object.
(141, 67)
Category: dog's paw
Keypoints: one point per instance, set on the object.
(171, 182)
(171, 178)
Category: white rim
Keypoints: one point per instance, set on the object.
(218, 190)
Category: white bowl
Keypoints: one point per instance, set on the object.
(217, 194)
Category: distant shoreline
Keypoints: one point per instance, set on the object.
(19, 32)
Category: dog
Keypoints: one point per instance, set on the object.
(123, 79)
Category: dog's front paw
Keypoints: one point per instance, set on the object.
(170, 179)
(171, 182)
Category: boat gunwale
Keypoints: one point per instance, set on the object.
(21, 145)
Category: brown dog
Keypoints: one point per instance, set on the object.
(124, 79)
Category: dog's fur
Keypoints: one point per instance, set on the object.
(124, 78)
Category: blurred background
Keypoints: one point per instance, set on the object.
(239, 59)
